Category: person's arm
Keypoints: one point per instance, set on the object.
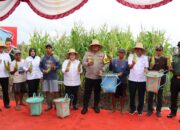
(146, 66)
(26, 65)
(166, 66)
(85, 60)
(111, 65)
(64, 66)
(57, 65)
(126, 72)
(12, 69)
(41, 64)
(131, 63)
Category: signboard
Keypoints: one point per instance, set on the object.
(10, 32)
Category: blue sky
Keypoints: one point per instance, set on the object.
(96, 13)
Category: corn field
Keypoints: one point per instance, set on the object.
(80, 38)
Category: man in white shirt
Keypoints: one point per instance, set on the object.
(5, 61)
(138, 64)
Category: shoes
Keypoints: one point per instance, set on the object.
(132, 112)
(96, 109)
(158, 114)
(171, 115)
(149, 113)
(84, 111)
(140, 113)
(75, 107)
(17, 108)
(7, 106)
(48, 108)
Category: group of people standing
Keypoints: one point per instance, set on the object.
(131, 71)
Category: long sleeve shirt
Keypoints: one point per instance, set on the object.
(4, 57)
(176, 64)
(92, 71)
(34, 62)
(45, 63)
(72, 77)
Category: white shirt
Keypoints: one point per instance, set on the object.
(71, 78)
(18, 77)
(4, 57)
(137, 72)
(36, 72)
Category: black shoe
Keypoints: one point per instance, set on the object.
(158, 114)
(48, 108)
(7, 106)
(84, 111)
(149, 113)
(75, 107)
(132, 112)
(140, 113)
(96, 109)
(171, 115)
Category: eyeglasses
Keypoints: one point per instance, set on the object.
(158, 50)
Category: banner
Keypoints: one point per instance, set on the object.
(9, 32)
(143, 4)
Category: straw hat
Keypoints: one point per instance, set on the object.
(2, 45)
(139, 45)
(95, 42)
(72, 51)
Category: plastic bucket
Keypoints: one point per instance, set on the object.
(109, 83)
(153, 79)
(35, 103)
(62, 106)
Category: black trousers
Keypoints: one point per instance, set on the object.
(159, 100)
(4, 82)
(141, 87)
(72, 92)
(92, 85)
(33, 86)
(175, 89)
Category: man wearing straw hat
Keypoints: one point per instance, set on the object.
(138, 64)
(93, 63)
(5, 61)
(158, 63)
(175, 83)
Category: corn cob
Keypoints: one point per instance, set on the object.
(153, 60)
(16, 66)
(106, 59)
(169, 60)
(7, 66)
(79, 67)
(134, 57)
(30, 68)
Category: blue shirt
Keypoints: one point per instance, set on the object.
(45, 61)
(118, 66)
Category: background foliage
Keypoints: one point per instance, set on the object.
(111, 39)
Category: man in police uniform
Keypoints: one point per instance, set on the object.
(175, 83)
